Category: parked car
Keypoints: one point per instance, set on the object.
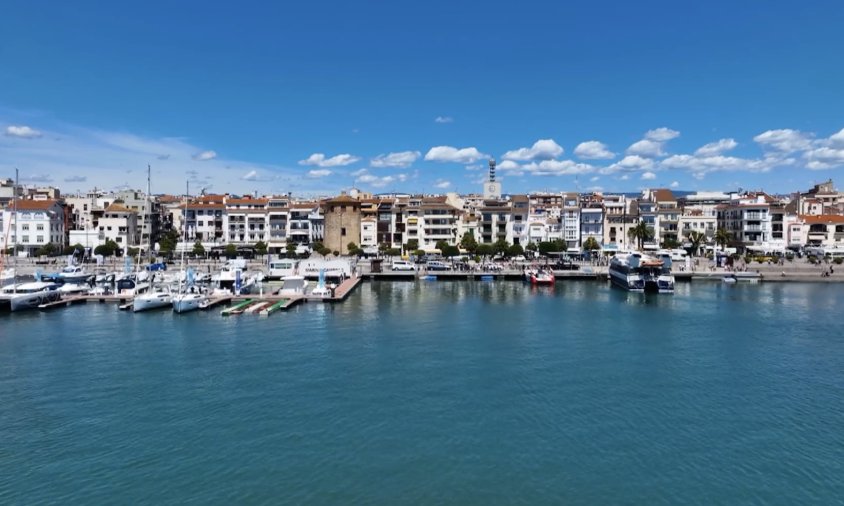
(436, 265)
(402, 265)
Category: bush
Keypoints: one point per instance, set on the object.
(838, 261)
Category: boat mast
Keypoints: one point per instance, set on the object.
(147, 215)
(185, 237)
(15, 245)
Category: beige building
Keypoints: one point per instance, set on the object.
(342, 223)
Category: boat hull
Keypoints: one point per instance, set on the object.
(185, 304)
(32, 300)
(148, 303)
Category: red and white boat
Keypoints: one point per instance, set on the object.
(542, 277)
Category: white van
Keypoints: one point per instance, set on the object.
(402, 265)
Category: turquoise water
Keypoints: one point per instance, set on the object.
(434, 393)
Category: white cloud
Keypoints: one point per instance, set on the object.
(648, 176)
(785, 140)
(443, 119)
(653, 143)
(543, 149)
(75, 179)
(716, 148)
(594, 178)
(453, 155)
(556, 168)
(646, 147)
(319, 160)
(507, 165)
(837, 139)
(402, 159)
(629, 163)
(317, 173)
(22, 131)
(624, 177)
(824, 158)
(204, 156)
(661, 134)
(250, 176)
(364, 177)
(475, 166)
(593, 150)
(675, 184)
(442, 184)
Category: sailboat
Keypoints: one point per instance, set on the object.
(157, 296)
(189, 299)
(15, 297)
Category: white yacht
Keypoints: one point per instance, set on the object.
(234, 278)
(282, 267)
(73, 274)
(158, 297)
(30, 295)
(7, 276)
(639, 272)
(293, 285)
(184, 302)
(74, 288)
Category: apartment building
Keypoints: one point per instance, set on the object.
(571, 220)
(748, 218)
(119, 224)
(38, 223)
(621, 214)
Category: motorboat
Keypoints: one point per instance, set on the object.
(158, 297)
(73, 274)
(234, 279)
(293, 285)
(30, 295)
(640, 272)
(542, 277)
(74, 288)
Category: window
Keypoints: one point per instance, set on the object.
(25, 238)
(343, 231)
(39, 227)
(39, 239)
(119, 239)
(25, 227)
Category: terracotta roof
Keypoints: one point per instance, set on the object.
(168, 199)
(256, 202)
(117, 208)
(32, 205)
(343, 199)
(202, 205)
(207, 199)
(664, 195)
(828, 219)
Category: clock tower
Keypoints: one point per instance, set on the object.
(492, 188)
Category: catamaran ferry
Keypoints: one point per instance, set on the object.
(639, 272)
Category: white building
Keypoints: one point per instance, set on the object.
(748, 218)
(120, 224)
(571, 220)
(38, 223)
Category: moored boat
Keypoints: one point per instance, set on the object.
(639, 272)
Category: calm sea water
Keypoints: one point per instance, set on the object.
(434, 393)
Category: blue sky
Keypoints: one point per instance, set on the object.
(314, 97)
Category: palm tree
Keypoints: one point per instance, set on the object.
(722, 237)
(641, 233)
(696, 238)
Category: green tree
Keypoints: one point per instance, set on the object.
(641, 233)
(515, 250)
(383, 247)
(48, 249)
(723, 237)
(353, 249)
(696, 239)
(108, 249)
(468, 242)
(261, 248)
(532, 247)
(441, 245)
(168, 242)
(71, 250)
(291, 249)
(450, 251)
(418, 253)
(670, 243)
(591, 244)
(411, 245)
(198, 249)
(393, 252)
(500, 247)
(485, 250)
(230, 251)
(133, 252)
